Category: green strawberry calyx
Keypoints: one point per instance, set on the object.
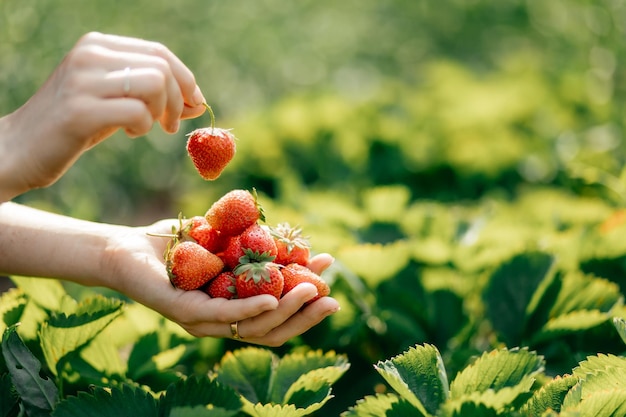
(255, 265)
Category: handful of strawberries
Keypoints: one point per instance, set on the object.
(228, 254)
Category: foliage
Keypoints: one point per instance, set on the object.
(463, 162)
(68, 368)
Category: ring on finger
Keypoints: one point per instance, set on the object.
(126, 87)
(234, 330)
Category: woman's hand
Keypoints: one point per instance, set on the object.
(134, 261)
(105, 83)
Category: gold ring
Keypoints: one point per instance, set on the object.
(234, 331)
(126, 81)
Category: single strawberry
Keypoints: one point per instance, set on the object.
(294, 274)
(222, 286)
(232, 252)
(291, 246)
(258, 239)
(234, 212)
(211, 148)
(257, 275)
(200, 231)
(190, 266)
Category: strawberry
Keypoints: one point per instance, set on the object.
(234, 212)
(291, 246)
(294, 274)
(222, 286)
(198, 229)
(211, 149)
(256, 275)
(190, 266)
(232, 252)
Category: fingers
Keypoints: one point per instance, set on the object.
(115, 67)
(260, 320)
(320, 262)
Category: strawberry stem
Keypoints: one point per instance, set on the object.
(210, 110)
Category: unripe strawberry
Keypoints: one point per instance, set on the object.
(190, 266)
(234, 212)
(294, 274)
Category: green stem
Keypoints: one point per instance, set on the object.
(210, 110)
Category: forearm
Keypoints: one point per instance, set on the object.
(43, 244)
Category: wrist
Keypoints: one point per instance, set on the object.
(11, 184)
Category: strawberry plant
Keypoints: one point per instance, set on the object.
(62, 357)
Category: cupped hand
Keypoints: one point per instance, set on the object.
(136, 268)
(104, 83)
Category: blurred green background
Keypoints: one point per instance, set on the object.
(450, 98)
(422, 143)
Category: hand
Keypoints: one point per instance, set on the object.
(105, 83)
(135, 264)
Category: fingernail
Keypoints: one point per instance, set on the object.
(197, 97)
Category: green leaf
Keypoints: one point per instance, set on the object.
(550, 396)
(569, 323)
(47, 293)
(9, 400)
(388, 405)
(467, 408)
(276, 410)
(375, 263)
(584, 292)
(63, 334)
(608, 403)
(497, 370)
(38, 393)
(248, 371)
(599, 363)
(419, 376)
(295, 366)
(12, 304)
(310, 392)
(620, 326)
(201, 393)
(199, 411)
(125, 400)
(510, 291)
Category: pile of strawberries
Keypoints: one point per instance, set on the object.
(229, 254)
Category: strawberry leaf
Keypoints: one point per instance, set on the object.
(419, 376)
(294, 370)
(248, 371)
(197, 393)
(620, 326)
(496, 370)
(38, 393)
(123, 400)
(63, 333)
(389, 405)
(9, 400)
(549, 396)
(510, 292)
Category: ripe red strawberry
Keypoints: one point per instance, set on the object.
(222, 286)
(234, 212)
(256, 238)
(198, 229)
(255, 276)
(190, 266)
(294, 274)
(211, 149)
(232, 252)
(292, 247)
